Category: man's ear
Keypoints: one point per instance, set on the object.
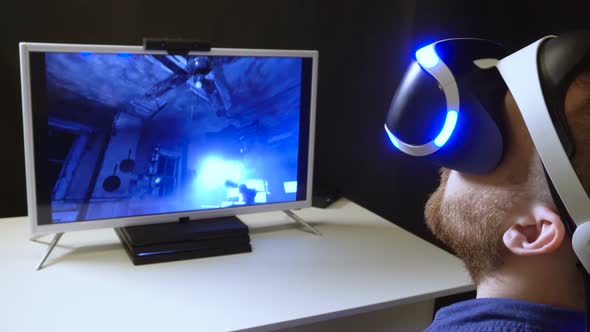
(540, 232)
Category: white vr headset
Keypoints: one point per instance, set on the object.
(521, 72)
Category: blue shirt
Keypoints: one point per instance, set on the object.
(505, 315)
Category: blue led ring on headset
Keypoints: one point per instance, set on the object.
(429, 61)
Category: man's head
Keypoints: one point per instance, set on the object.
(490, 219)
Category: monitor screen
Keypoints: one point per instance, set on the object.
(120, 135)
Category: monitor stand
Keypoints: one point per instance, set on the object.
(178, 231)
(302, 222)
(49, 249)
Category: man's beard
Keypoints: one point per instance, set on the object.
(471, 225)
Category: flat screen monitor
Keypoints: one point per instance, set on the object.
(119, 136)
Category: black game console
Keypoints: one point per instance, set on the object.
(186, 239)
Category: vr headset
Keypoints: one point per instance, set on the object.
(448, 110)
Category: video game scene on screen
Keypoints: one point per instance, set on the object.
(145, 134)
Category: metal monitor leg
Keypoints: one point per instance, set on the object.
(302, 222)
(51, 246)
(36, 238)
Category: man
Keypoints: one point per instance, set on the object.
(506, 229)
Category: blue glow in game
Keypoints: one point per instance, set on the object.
(138, 134)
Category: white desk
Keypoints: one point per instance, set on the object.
(361, 263)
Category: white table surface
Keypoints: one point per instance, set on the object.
(361, 263)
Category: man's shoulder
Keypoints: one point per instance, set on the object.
(505, 315)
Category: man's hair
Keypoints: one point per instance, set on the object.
(473, 222)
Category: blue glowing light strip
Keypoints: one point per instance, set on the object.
(156, 253)
(449, 126)
(427, 57)
(392, 138)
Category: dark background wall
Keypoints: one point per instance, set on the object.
(364, 49)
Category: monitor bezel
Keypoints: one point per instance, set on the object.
(37, 229)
